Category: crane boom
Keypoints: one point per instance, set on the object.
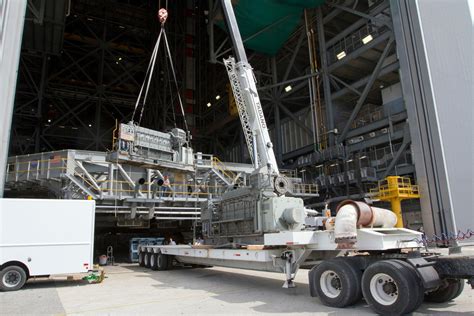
(248, 103)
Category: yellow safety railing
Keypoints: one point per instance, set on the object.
(394, 189)
(115, 135)
(220, 166)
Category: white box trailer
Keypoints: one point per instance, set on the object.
(40, 237)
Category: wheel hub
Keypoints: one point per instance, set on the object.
(11, 278)
(384, 289)
(389, 287)
(330, 284)
(336, 282)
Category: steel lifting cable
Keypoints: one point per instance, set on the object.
(171, 100)
(176, 83)
(148, 75)
(162, 15)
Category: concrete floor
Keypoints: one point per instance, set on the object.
(129, 289)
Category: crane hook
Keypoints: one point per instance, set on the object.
(162, 15)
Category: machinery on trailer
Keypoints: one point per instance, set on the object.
(359, 252)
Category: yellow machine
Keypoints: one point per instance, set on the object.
(395, 189)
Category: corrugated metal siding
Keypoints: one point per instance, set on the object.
(293, 135)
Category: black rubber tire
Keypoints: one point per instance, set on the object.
(12, 278)
(170, 262)
(153, 261)
(162, 262)
(418, 288)
(460, 289)
(349, 278)
(146, 259)
(407, 287)
(449, 290)
(141, 259)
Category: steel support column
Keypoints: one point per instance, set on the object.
(366, 91)
(325, 76)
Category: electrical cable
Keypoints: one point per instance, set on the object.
(445, 237)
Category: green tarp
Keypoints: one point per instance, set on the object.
(279, 18)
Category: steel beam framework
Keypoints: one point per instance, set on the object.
(73, 100)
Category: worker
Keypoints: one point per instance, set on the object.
(165, 187)
(172, 242)
(199, 241)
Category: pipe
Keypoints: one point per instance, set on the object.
(351, 214)
(311, 212)
(345, 228)
(383, 218)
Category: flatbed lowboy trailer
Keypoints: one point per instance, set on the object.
(388, 268)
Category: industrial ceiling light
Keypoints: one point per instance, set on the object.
(367, 39)
(363, 157)
(218, 97)
(49, 121)
(350, 160)
(333, 165)
(90, 125)
(208, 104)
(120, 58)
(341, 55)
(288, 88)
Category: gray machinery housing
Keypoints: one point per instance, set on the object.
(142, 145)
(243, 215)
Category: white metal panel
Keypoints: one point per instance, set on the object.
(48, 236)
(12, 18)
(449, 52)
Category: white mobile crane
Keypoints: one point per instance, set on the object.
(357, 253)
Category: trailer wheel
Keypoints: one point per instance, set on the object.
(449, 290)
(12, 278)
(418, 288)
(162, 262)
(390, 288)
(337, 283)
(153, 262)
(141, 259)
(146, 259)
